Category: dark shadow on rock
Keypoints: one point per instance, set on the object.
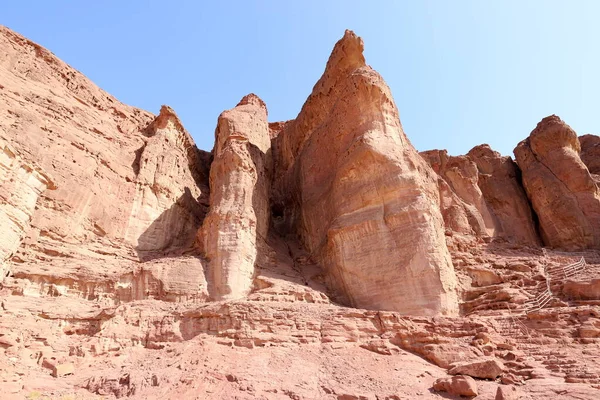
(138, 159)
(174, 231)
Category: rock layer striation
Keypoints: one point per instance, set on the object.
(358, 195)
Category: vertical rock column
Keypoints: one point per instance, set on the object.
(238, 219)
(362, 200)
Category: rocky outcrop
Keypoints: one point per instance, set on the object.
(457, 385)
(461, 175)
(171, 196)
(100, 208)
(499, 179)
(590, 153)
(559, 186)
(126, 188)
(20, 187)
(485, 369)
(359, 196)
(482, 195)
(235, 229)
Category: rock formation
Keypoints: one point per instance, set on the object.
(238, 222)
(359, 196)
(559, 186)
(482, 195)
(461, 175)
(124, 186)
(117, 234)
(499, 179)
(590, 153)
(20, 187)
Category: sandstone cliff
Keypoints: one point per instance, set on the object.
(117, 235)
(124, 186)
(560, 187)
(482, 195)
(359, 196)
(236, 227)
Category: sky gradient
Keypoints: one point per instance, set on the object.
(461, 72)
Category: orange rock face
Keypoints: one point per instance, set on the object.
(482, 195)
(121, 185)
(499, 179)
(238, 222)
(560, 186)
(359, 196)
(590, 153)
(323, 239)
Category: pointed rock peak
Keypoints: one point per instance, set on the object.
(166, 115)
(347, 53)
(252, 99)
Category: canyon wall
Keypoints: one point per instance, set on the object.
(126, 186)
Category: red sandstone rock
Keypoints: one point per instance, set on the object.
(238, 220)
(500, 182)
(486, 369)
(590, 152)
(360, 198)
(457, 385)
(507, 393)
(481, 195)
(105, 287)
(560, 187)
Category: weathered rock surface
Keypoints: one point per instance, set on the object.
(20, 187)
(559, 186)
(457, 385)
(125, 187)
(590, 152)
(507, 393)
(499, 179)
(101, 203)
(236, 227)
(485, 369)
(461, 174)
(482, 195)
(359, 196)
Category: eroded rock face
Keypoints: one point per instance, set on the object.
(20, 187)
(87, 308)
(165, 214)
(500, 183)
(238, 220)
(461, 175)
(482, 195)
(559, 186)
(590, 153)
(359, 196)
(126, 188)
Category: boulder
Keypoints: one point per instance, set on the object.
(507, 393)
(459, 385)
(484, 369)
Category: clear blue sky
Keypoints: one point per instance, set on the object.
(462, 72)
